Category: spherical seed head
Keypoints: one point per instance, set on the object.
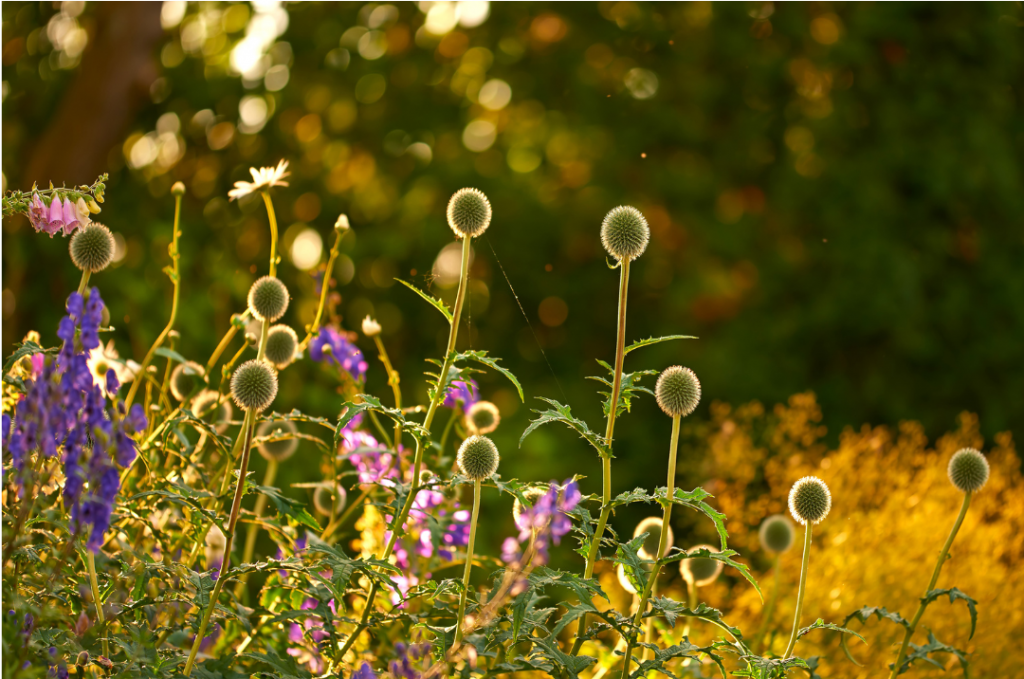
(208, 407)
(92, 247)
(282, 343)
(268, 299)
(478, 458)
(777, 533)
(322, 499)
(254, 385)
(968, 470)
(652, 526)
(624, 233)
(277, 450)
(186, 379)
(532, 495)
(809, 500)
(482, 417)
(469, 213)
(700, 571)
(677, 391)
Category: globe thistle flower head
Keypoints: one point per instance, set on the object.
(92, 247)
(277, 450)
(322, 499)
(478, 458)
(371, 328)
(282, 344)
(652, 526)
(776, 534)
(700, 571)
(482, 417)
(268, 299)
(208, 407)
(532, 495)
(254, 385)
(624, 233)
(809, 500)
(677, 391)
(186, 379)
(968, 470)
(469, 213)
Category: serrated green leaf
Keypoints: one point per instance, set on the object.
(954, 594)
(483, 358)
(933, 646)
(433, 301)
(654, 340)
(725, 556)
(821, 624)
(562, 413)
(25, 349)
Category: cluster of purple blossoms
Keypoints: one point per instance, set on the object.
(331, 345)
(58, 215)
(306, 637)
(545, 522)
(372, 460)
(412, 660)
(461, 394)
(63, 407)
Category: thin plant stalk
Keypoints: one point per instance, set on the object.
(666, 518)
(691, 603)
(272, 219)
(315, 327)
(770, 608)
(254, 527)
(469, 564)
(90, 561)
(418, 455)
(931, 585)
(606, 496)
(175, 277)
(223, 344)
(800, 592)
(393, 382)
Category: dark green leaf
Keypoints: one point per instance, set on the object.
(954, 594)
(433, 301)
(562, 413)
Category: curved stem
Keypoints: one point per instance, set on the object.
(94, 583)
(315, 327)
(175, 277)
(447, 430)
(393, 380)
(931, 585)
(84, 283)
(469, 565)
(223, 344)
(800, 592)
(770, 608)
(254, 527)
(272, 218)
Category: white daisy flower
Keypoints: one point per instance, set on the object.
(263, 178)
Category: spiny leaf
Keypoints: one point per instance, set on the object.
(26, 349)
(433, 301)
(654, 340)
(672, 610)
(821, 624)
(562, 413)
(725, 556)
(955, 594)
(482, 357)
(864, 614)
(933, 646)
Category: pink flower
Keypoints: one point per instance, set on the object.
(59, 215)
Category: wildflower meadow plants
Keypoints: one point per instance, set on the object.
(126, 486)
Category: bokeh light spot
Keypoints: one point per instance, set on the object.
(553, 311)
(307, 248)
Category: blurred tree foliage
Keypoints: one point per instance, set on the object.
(834, 190)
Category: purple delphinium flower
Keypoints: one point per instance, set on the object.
(341, 352)
(364, 672)
(546, 521)
(461, 394)
(409, 662)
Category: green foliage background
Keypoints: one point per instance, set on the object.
(834, 190)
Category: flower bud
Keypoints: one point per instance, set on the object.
(624, 233)
(254, 385)
(652, 526)
(186, 379)
(677, 391)
(93, 206)
(469, 213)
(341, 223)
(482, 417)
(322, 499)
(277, 450)
(92, 247)
(371, 327)
(968, 470)
(268, 299)
(478, 458)
(700, 571)
(282, 343)
(809, 500)
(776, 534)
(178, 189)
(82, 660)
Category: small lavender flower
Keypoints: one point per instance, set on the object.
(332, 346)
(547, 520)
(461, 394)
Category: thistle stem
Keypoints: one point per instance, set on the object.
(84, 282)
(469, 565)
(800, 592)
(931, 585)
(94, 583)
(175, 277)
(606, 498)
(393, 381)
(254, 527)
(315, 327)
(223, 344)
(418, 456)
(770, 608)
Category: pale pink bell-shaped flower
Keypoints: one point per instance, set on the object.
(70, 217)
(38, 214)
(56, 216)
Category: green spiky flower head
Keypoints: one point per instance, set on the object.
(776, 533)
(268, 299)
(968, 470)
(322, 499)
(677, 391)
(282, 344)
(254, 385)
(469, 213)
(652, 526)
(700, 570)
(92, 247)
(277, 450)
(482, 417)
(478, 458)
(186, 379)
(809, 500)
(624, 233)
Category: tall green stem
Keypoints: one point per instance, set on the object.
(418, 455)
(272, 218)
(931, 585)
(254, 527)
(84, 283)
(770, 608)
(175, 277)
(800, 592)
(315, 327)
(94, 583)
(393, 381)
(469, 565)
(606, 497)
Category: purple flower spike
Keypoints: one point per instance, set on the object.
(364, 672)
